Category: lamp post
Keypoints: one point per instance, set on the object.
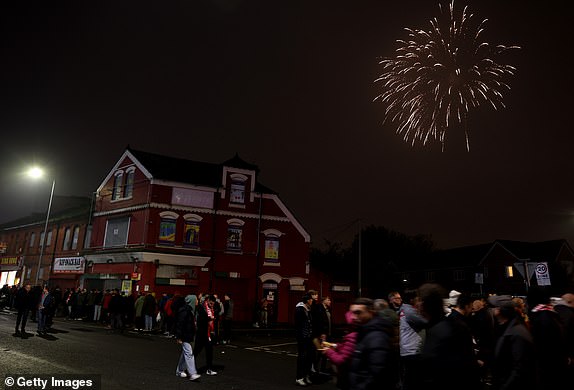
(36, 173)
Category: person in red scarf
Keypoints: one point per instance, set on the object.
(205, 336)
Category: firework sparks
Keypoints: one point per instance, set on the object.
(438, 76)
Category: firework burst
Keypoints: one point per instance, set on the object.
(438, 76)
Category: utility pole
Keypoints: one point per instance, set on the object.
(360, 265)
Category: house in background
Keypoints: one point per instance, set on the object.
(500, 267)
(169, 225)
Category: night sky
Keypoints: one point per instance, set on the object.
(289, 86)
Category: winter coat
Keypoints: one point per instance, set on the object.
(321, 320)
(551, 346)
(448, 358)
(185, 327)
(149, 305)
(514, 359)
(374, 364)
(341, 358)
(303, 323)
(344, 351)
(139, 306)
(228, 309)
(23, 300)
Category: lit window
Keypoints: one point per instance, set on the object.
(167, 231)
(237, 193)
(272, 248)
(67, 236)
(129, 187)
(272, 245)
(117, 191)
(191, 238)
(75, 237)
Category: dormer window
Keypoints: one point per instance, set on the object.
(237, 192)
(237, 189)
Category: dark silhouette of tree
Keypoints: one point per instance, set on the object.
(383, 253)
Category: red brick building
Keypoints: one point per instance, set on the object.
(165, 224)
(60, 264)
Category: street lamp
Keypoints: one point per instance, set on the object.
(36, 173)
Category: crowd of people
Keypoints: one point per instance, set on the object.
(423, 338)
(428, 338)
(142, 312)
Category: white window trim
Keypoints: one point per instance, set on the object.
(273, 233)
(192, 218)
(235, 222)
(125, 184)
(168, 215)
(118, 174)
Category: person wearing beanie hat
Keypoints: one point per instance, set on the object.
(450, 302)
(185, 330)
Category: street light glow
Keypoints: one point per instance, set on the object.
(35, 172)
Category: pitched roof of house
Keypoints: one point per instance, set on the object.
(535, 251)
(63, 208)
(192, 172)
(471, 256)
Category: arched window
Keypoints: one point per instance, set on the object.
(117, 190)
(237, 189)
(67, 239)
(234, 234)
(272, 245)
(167, 228)
(129, 186)
(191, 230)
(75, 237)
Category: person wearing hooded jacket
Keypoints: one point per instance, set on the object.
(304, 335)
(374, 364)
(185, 329)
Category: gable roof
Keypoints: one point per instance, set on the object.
(535, 251)
(182, 170)
(471, 256)
(179, 169)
